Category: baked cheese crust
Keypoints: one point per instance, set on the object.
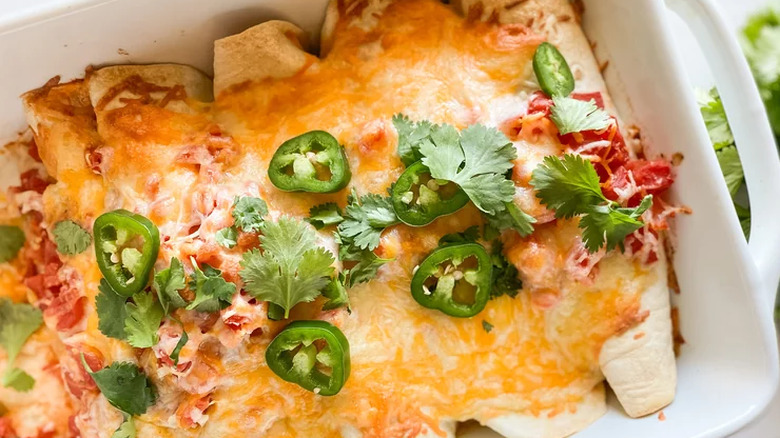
(167, 142)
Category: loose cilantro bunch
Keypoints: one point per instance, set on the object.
(761, 44)
(290, 269)
(17, 322)
(570, 187)
(722, 139)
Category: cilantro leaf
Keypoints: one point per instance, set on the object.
(505, 279)
(17, 322)
(227, 237)
(126, 429)
(144, 316)
(470, 234)
(11, 241)
(18, 380)
(336, 293)
(324, 215)
(477, 163)
(291, 269)
(363, 264)
(487, 326)
(125, 386)
(70, 238)
(168, 283)
(573, 115)
(570, 186)
(365, 219)
(731, 167)
(248, 213)
(512, 217)
(212, 291)
(714, 115)
(410, 134)
(111, 311)
(607, 224)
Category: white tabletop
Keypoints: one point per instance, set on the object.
(735, 11)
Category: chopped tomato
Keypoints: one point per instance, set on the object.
(77, 379)
(73, 429)
(31, 180)
(6, 428)
(32, 151)
(540, 103)
(653, 177)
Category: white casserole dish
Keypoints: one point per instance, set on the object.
(728, 369)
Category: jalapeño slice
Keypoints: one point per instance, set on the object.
(552, 71)
(454, 279)
(126, 246)
(313, 162)
(312, 354)
(419, 199)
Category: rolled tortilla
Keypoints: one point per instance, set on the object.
(592, 407)
(63, 123)
(109, 85)
(558, 22)
(274, 49)
(640, 368)
(639, 364)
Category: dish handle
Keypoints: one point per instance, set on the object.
(751, 130)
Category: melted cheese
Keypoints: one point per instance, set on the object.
(411, 367)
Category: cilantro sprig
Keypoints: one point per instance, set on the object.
(112, 311)
(248, 214)
(291, 268)
(212, 292)
(168, 284)
(506, 280)
(127, 388)
(476, 159)
(570, 187)
(324, 215)
(574, 115)
(144, 316)
(410, 135)
(17, 322)
(364, 220)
